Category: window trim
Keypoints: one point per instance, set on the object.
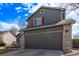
(37, 20)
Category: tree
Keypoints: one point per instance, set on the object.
(70, 7)
(22, 24)
(14, 29)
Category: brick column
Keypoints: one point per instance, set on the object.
(67, 38)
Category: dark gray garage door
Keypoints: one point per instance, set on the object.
(46, 40)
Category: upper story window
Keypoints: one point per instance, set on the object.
(42, 11)
(37, 21)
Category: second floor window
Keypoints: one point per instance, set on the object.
(37, 21)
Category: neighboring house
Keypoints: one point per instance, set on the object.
(8, 37)
(48, 29)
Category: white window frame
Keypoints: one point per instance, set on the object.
(38, 21)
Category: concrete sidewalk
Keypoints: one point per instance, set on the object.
(34, 52)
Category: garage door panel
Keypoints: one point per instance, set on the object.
(52, 40)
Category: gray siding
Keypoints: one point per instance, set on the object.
(51, 16)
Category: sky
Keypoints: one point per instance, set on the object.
(12, 13)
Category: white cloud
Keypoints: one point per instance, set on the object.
(7, 26)
(18, 11)
(77, 12)
(75, 33)
(25, 8)
(18, 8)
(51, 4)
(75, 29)
(26, 14)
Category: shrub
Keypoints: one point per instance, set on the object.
(2, 44)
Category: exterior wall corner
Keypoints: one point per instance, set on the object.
(67, 38)
(22, 40)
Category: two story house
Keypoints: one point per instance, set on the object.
(48, 29)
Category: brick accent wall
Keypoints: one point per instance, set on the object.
(67, 40)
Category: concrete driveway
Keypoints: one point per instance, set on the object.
(34, 52)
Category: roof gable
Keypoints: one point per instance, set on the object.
(44, 7)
